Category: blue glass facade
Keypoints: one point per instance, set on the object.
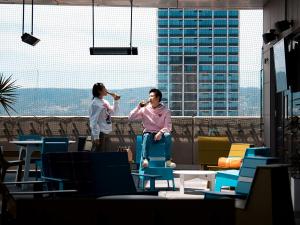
(198, 61)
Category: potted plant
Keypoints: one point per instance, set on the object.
(8, 95)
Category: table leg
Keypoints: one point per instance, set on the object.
(181, 189)
(29, 150)
(20, 158)
(152, 184)
(212, 180)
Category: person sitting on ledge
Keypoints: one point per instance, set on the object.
(156, 120)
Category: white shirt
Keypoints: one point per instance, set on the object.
(100, 113)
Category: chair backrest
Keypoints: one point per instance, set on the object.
(156, 153)
(211, 148)
(269, 200)
(30, 137)
(55, 144)
(258, 151)
(238, 149)
(247, 172)
(93, 174)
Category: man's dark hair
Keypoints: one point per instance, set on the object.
(96, 88)
(157, 93)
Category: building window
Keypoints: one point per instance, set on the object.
(205, 78)
(163, 23)
(220, 14)
(190, 51)
(190, 23)
(176, 87)
(220, 42)
(162, 78)
(205, 87)
(205, 32)
(176, 69)
(219, 96)
(162, 13)
(220, 32)
(174, 13)
(175, 59)
(219, 87)
(163, 59)
(190, 88)
(205, 59)
(176, 78)
(176, 96)
(190, 78)
(175, 105)
(190, 105)
(175, 32)
(175, 51)
(205, 68)
(190, 59)
(205, 97)
(190, 33)
(162, 68)
(190, 96)
(219, 113)
(190, 13)
(205, 50)
(233, 14)
(220, 60)
(220, 68)
(220, 23)
(205, 41)
(205, 23)
(175, 23)
(220, 78)
(205, 13)
(162, 51)
(190, 41)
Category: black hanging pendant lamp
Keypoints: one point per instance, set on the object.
(28, 38)
(113, 50)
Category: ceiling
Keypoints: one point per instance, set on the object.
(204, 4)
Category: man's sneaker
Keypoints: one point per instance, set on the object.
(145, 163)
(170, 164)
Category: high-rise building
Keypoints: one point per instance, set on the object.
(198, 61)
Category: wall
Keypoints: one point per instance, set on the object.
(185, 132)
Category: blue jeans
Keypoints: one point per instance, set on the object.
(148, 140)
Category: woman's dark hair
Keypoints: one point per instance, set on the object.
(97, 88)
(157, 93)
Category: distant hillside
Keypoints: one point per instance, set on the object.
(70, 102)
(75, 102)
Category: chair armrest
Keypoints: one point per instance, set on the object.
(146, 175)
(54, 179)
(223, 194)
(42, 192)
(59, 180)
(25, 182)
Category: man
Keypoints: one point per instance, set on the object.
(100, 113)
(156, 119)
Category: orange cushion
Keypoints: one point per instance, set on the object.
(232, 163)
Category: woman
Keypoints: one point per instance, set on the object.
(100, 113)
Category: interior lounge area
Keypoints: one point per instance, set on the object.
(204, 147)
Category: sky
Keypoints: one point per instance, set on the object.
(61, 59)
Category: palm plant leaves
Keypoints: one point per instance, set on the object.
(8, 94)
